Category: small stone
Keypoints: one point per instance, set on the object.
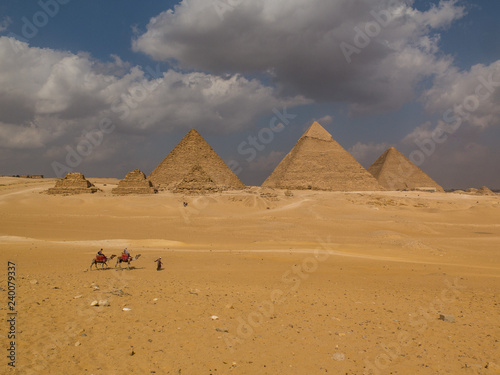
(78, 296)
(126, 309)
(104, 302)
(447, 318)
(78, 343)
(214, 317)
(339, 356)
(223, 330)
(94, 303)
(83, 335)
(34, 282)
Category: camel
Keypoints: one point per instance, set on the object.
(126, 258)
(101, 259)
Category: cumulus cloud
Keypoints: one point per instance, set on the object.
(299, 45)
(50, 96)
(470, 96)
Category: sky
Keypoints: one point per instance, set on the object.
(105, 87)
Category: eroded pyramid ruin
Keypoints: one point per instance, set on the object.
(135, 182)
(318, 162)
(193, 151)
(395, 172)
(73, 183)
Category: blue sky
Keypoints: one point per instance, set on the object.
(227, 67)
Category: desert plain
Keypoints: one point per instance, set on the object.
(254, 281)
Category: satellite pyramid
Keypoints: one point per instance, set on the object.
(135, 182)
(191, 151)
(197, 182)
(318, 162)
(73, 183)
(395, 172)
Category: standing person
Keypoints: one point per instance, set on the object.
(158, 265)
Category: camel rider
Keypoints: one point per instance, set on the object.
(100, 254)
(125, 252)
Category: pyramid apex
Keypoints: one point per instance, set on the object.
(317, 131)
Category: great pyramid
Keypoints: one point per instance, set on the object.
(197, 181)
(191, 151)
(135, 182)
(318, 162)
(73, 183)
(395, 172)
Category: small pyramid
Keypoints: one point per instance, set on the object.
(318, 162)
(197, 181)
(485, 191)
(73, 183)
(135, 182)
(191, 151)
(395, 172)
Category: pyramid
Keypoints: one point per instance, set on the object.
(197, 181)
(318, 162)
(193, 150)
(395, 172)
(73, 183)
(135, 182)
(485, 191)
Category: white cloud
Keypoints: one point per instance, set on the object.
(466, 97)
(49, 97)
(298, 44)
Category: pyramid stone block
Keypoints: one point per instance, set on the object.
(395, 172)
(193, 151)
(318, 162)
(135, 182)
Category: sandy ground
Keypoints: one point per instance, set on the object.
(254, 282)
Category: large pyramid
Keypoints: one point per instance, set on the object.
(191, 151)
(395, 172)
(318, 162)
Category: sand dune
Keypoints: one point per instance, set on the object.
(317, 282)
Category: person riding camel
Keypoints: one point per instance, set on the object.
(100, 255)
(125, 254)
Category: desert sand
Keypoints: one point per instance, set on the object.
(255, 281)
